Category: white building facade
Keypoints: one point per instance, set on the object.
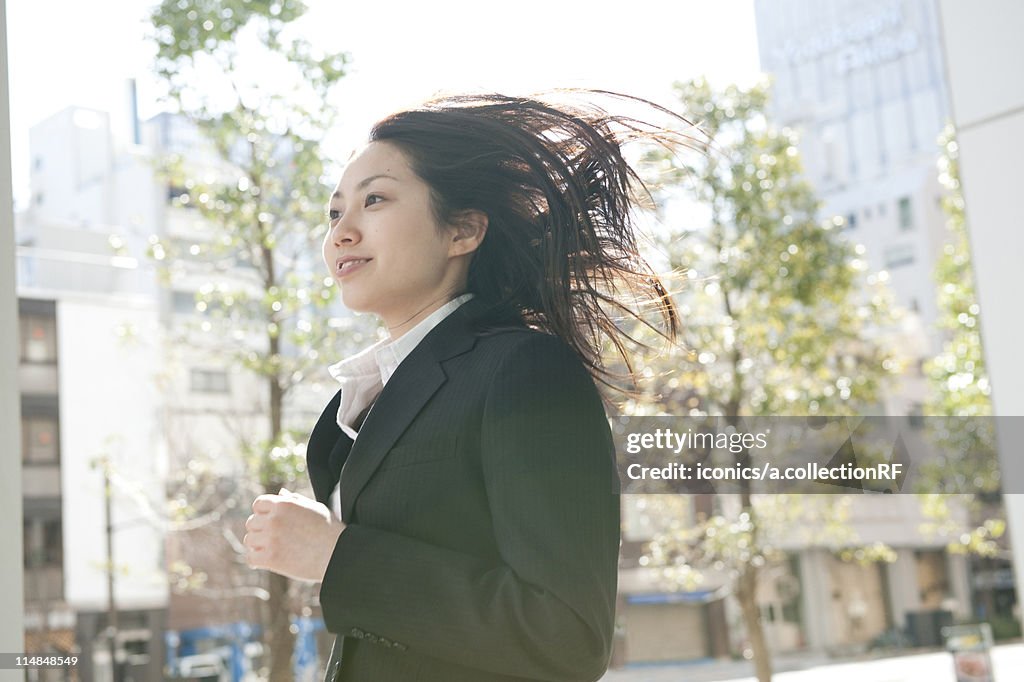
(863, 84)
(128, 365)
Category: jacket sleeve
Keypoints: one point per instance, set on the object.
(546, 610)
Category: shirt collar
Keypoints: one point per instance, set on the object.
(384, 356)
(390, 355)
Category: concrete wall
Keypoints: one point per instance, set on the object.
(12, 634)
(984, 64)
(109, 405)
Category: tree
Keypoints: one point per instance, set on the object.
(959, 388)
(959, 407)
(959, 382)
(258, 184)
(781, 317)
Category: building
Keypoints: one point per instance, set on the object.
(118, 362)
(863, 85)
(86, 351)
(810, 600)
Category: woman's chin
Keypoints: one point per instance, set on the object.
(357, 303)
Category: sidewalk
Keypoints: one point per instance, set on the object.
(931, 666)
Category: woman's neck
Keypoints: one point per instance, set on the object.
(397, 330)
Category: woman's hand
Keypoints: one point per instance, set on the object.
(292, 535)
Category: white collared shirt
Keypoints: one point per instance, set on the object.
(363, 376)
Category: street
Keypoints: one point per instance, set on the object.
(1008, 663)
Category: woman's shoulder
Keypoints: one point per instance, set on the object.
(531, 356)
(522, 339)
(511, 346)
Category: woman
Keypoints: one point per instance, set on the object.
(476, 527)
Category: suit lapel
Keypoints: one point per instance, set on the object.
(417, 378)
(326, 451)
(396, 407)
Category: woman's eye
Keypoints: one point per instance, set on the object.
(371, 199)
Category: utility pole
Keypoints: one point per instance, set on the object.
(115, 670)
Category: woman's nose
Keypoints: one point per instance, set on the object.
(344, 232)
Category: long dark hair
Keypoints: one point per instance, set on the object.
(561, 244)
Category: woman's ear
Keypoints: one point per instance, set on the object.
(468, 230)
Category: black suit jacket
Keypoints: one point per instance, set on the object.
(482, 516)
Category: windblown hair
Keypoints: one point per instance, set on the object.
(561, 243)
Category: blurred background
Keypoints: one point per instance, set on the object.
(832, 251)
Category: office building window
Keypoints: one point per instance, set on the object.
(176, 192)
(38, 339)
(42, 542)
(243, 259)
(915, 416)
(906, 214)
(183, 302)
(209, 381)
(851, 220)
(830, 156)
(38, 439)
(899, 255)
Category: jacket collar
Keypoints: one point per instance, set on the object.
(415, 381)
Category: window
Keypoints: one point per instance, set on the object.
(137, 647)
(830, 157)
(788, 589)
(915, 416)
(38, 439)
(791, 611)
(42, 543)
(243, 259)
(184, 302)
(851, 220)
(209, 381)
(906, 214)
(899, 255)
(834, 153)
(179, 196)
(38, 339)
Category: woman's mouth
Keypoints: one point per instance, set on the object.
(346, 267)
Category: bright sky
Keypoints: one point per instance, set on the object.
(64, 52)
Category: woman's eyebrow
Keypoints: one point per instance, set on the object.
(363, 183)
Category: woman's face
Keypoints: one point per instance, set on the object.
(384, 248)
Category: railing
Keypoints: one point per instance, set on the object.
(54, 269)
